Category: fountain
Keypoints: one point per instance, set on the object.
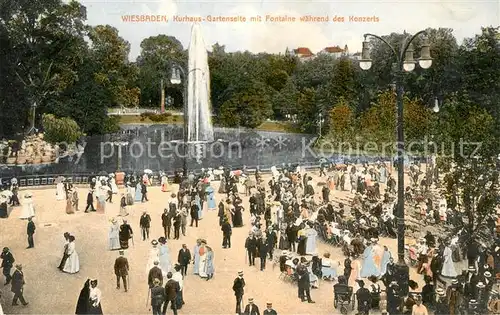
(199, 116)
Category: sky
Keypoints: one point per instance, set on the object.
(464, 17)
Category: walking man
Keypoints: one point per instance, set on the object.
(166, 222)
(184, 259)
(239, 290)
(121, 270)
(226, 234)
(90, 201)
(184, 215)
(171, 289)
(251, 247)
(144, 192)
(7, 263)
(18, 286)
(194, 213)
(145, 224)
(30, 231)
(177, 225)
(158, 297)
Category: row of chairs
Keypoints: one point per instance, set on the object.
(42, 181)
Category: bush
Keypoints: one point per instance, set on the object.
(160, 117)
(58, 130)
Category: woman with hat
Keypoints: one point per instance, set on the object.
(72, 264)
(164, 256)
(114, 235)
(28, 208)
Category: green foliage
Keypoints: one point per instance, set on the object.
(249, 107)
(342, 123)
(60, 130)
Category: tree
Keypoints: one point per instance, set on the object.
(342, 122)
(247, 108)
(44, 40)
(158, 53)
(471, 181)
(284, 102)
(114, 71)
(307, 111)
(60, 130)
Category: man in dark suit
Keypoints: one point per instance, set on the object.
(347, 268)
(364, 298)
(90, 201)
(177, 225)
(7, 263)
(145, 224)
(17, 285)
(121, 270)
(269, 310)
(251, 309)
(226, 233)
(144, 192)
(194, 213)
(158, 297)
(155, 273)
(184, 258)
(238, 288)
(171, 289)
(166, 222)
(30, 230)
(251, 247)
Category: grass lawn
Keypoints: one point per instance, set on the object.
(276, 126)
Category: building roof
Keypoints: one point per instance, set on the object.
(334, 49)
(306, 52)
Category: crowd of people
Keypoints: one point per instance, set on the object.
(287, 219)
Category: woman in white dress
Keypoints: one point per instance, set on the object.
(114, 235)
(328, 267)
(164, 257)
(203, 260)
(28, 208)
(72, 264)
(153, 256)
(60, 193)
(112, 182)
(448, 270)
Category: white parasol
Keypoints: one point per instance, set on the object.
(148, 171)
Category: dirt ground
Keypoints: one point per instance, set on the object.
(50, 291)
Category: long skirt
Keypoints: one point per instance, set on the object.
(63, 261)
(124, 243)
(129, 200)
(123, 212)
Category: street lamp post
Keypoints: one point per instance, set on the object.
(177, 72)
(404, 62)
(179, 75)
(321, 120)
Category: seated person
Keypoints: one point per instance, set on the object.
(316, 265)
(283, 259)
(341, 290)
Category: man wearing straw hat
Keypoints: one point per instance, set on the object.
(269, 309)
(442, 307)
(239, 290)
(121, 270)
(158, 297)
(251, 308)
(454, 297)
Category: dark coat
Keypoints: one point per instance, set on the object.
(166, 219)
(158, 296)
(90, 198)
(251, 244)
(226, 229)
(17, 281)
(194, 211)
(239, 286)
(7, 260)
(171, 289)
(263, 250)
(121, 266)
(125, 231)
(155, 273)
(30, 229)
(83, 304)
(251, 310)
(269, 312)
(184, 257)
(145, 221)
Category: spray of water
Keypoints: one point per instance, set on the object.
(199, 116)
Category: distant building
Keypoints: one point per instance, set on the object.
(336, 51)
(303, 53)
(356, 56)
